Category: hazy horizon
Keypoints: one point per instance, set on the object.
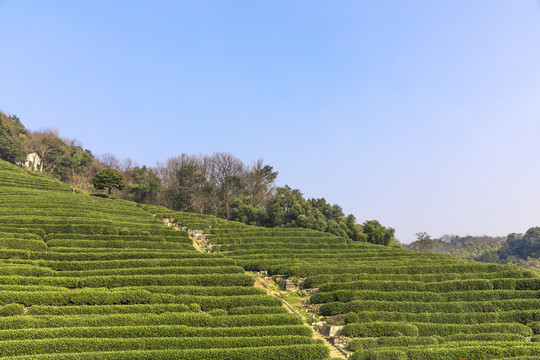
(423, 115)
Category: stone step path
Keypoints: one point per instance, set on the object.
(195, 238)
(262, 283)
(334, 352)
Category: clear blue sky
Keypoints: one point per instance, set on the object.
(424, 115)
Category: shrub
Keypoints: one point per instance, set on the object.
(218, 312)
(376, 329)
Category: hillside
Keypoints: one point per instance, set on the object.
(91, 278)
(398, 304)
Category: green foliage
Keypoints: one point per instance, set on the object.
(276, 352)
(379, 329)
(378, 234)
(12, 139)
(526, 246)
(244, 211)
(522, 250)
(144, 185)
(108, 179)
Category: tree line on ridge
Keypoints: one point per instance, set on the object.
(219, 184)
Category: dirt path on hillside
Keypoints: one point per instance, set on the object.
(196, 245)
(263, 284)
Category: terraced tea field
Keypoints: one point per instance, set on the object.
(398, 304)
(83, 277)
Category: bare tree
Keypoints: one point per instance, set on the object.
(228, 172)
(171, 177)
(44, 143)
(127, 165)
(260, 182)
(111, 161)
(208, 183)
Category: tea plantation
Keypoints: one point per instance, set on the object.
(399, 305)
(83, 277)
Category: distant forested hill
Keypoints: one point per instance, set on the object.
(519, 249)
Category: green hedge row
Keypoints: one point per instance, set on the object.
(442, 286)
(390, 267)
(291, 352)
(76, 297)
(64, 226)
(203, 290)
(334, 258)
(25, 270)
(97, 255)
(218, 302)
(21, 230)
(11, 310)
(178, 236)
(482, 337)
(67, 227)
(107, 309)
(399, 341)
(23, 244)
(89, 256)
(70, 345)
(345, 279)
(31, 288)
(100, 296)
(238, 231)
(426, 329)
(428, 297)
(293, 240)
(257, 310)
(216, 276)
(408, 341)
(457, 351)
(154, 331)
(186, 318)
(517, 316)
(535, 326)
(50, 213)
(17, 309)
(118, 244)
(137, 263)
(79, 218)
(424, 296)
(84, 251)
(280, 248)
(20, 235)
(376, 329)
(198, 269)
(419, 306)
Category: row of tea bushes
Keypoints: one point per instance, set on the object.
(11, 348)
(407, 341)
(490, 351)
(282, 352)
(425, 307)
(153, 331)
(511, 316)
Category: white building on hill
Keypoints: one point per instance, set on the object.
(33, 162)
